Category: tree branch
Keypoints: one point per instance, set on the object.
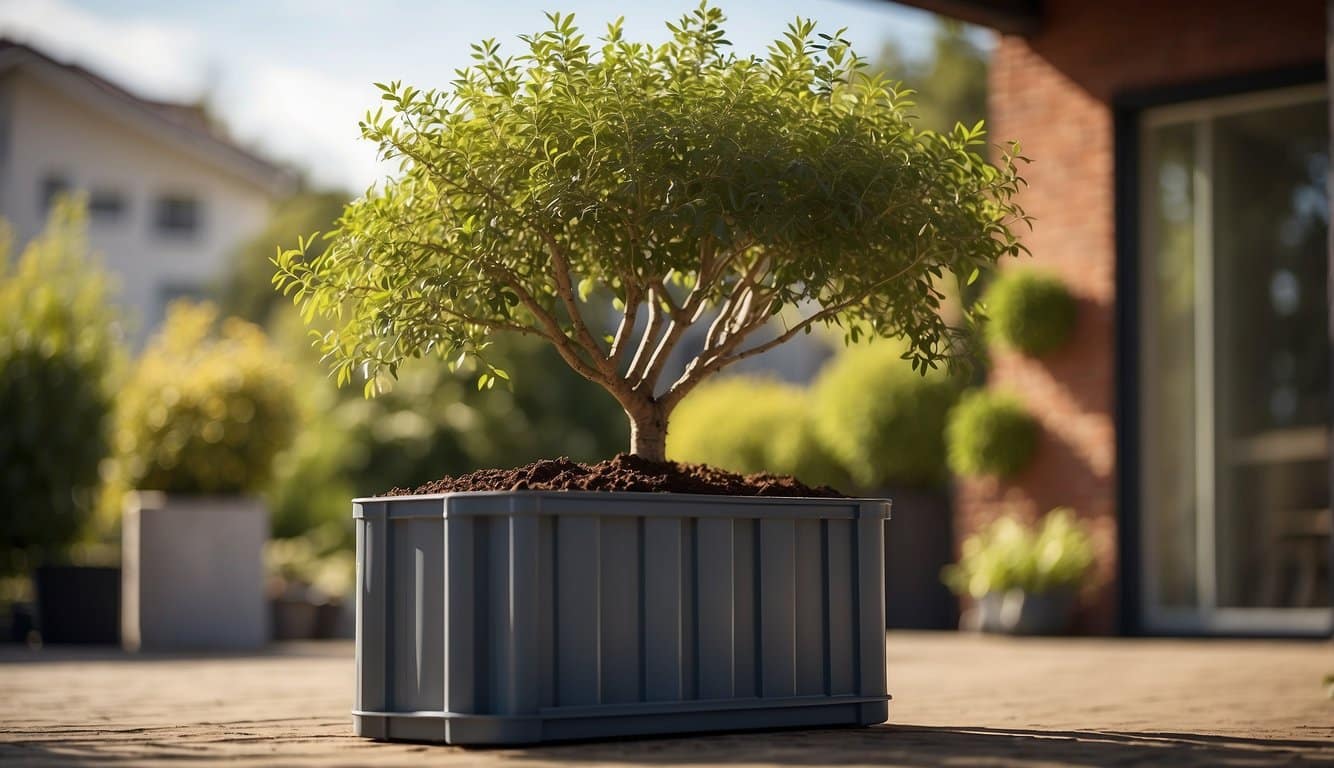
(656, 322)
(565, 291)
(620, 342)
(682, 319)
(712, 361)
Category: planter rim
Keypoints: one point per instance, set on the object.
(867, 507)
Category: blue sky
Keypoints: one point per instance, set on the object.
(292, 77)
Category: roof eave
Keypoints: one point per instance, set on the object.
(1011, 17)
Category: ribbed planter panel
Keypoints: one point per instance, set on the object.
(501, 618)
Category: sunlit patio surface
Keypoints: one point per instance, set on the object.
(959, 700)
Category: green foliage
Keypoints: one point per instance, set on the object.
(990, 433)
(59, 344)
(881, 419)
(678, 178)
(205, 413)
(432, 422)
(950, 84)
(1028, 311)
(311, 561)
(747, 425)
(247, 289)
(1008, 555)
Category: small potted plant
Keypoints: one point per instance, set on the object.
(735, 201)
(197, 428)
(1025, 582)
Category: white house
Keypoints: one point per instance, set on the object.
(169, 196)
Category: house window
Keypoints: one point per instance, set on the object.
(106, 205)
(177, 215)
(53, 186)
(1234, 364)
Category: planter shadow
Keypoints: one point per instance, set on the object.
(514, 617)
(943, 747)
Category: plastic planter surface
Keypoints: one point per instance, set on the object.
(526, 616)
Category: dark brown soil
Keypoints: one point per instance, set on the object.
(625, 472)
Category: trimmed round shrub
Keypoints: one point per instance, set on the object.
(59, 341)
(990, 433)
(882, 420)
(1029, 311)
(745, 424)
(205, 412)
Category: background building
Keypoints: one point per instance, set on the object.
(1179, 183)
(168, 195)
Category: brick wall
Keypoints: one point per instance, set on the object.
(1053, 92)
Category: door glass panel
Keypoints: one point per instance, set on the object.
(1235, 359)
(1169, 368)
(1271, 216)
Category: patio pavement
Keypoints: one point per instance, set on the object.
(959, 700)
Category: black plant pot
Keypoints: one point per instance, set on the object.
(78, 604)
(21, 623)
(919, 542)
(1043, 613)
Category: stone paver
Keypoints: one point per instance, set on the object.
(959, 700)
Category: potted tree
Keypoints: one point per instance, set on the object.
(197, 429)
(1024, 582)
(751, 199)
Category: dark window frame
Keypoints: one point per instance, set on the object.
(165, 222)
(100, 211)
(52, 185)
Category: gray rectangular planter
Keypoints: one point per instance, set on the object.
(513, 617)
(192, 572)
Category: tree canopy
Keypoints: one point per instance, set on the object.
(692, 185)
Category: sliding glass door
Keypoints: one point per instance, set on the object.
(1234, 368)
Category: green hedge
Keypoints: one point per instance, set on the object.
(1031, 312)
(990, 433)
(745, 424)
(881, 419)
(59, 344)
(205, 412)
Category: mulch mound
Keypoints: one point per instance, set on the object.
(624, 472)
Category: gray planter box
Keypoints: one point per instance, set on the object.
(192, 572)
(514, 617)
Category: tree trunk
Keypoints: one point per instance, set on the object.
(648, 431)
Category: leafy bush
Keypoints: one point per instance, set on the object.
(1009, 555)
(990, 433)
(1031, 312)
(205, 413)
(881, 419)
(432, 422)
(309, 561)
(59, 342)
(745, 424)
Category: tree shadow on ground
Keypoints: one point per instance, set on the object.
(940, 747)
